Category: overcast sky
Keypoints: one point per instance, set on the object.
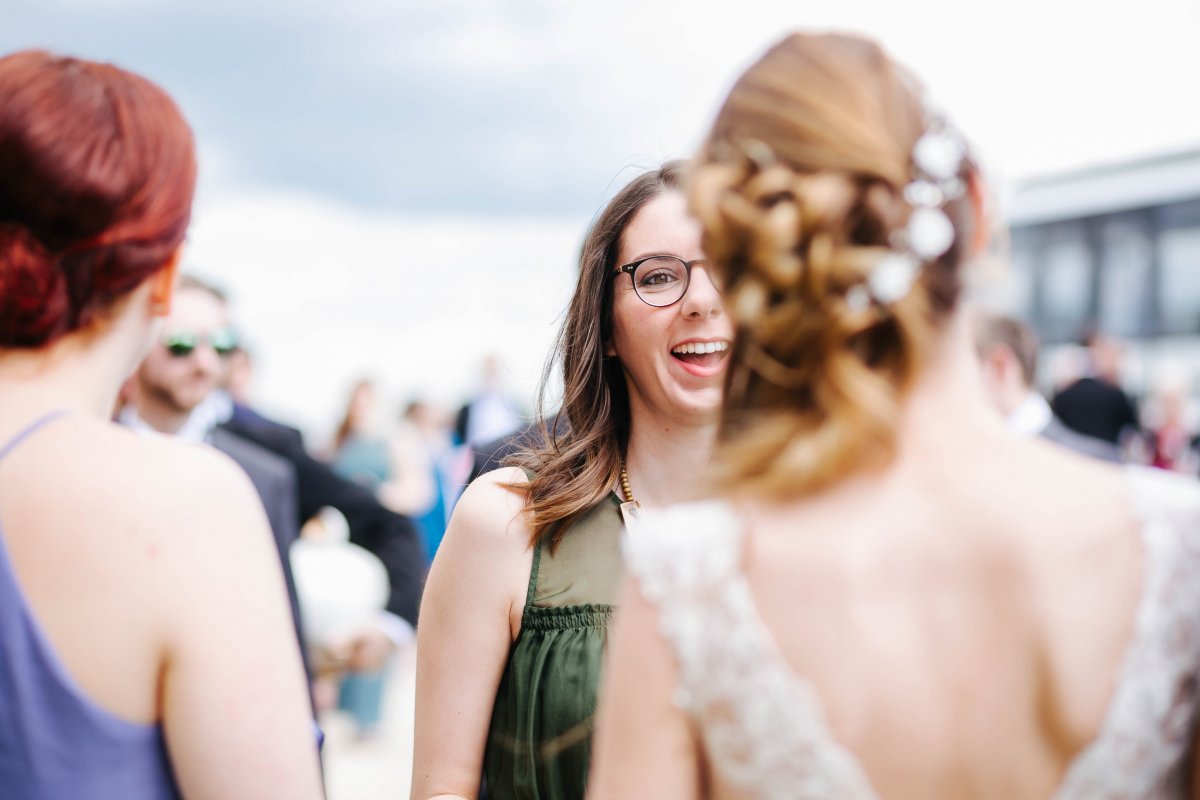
(398, 187)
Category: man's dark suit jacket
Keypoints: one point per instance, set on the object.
(1060, 434)
(275, 481)
(391, 537)
(491, 456)
(1096, 408)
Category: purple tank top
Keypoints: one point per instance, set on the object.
(54, 741)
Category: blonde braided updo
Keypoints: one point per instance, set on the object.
(799, 188)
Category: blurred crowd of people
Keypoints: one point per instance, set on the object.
(1087, 404)
(356, 521)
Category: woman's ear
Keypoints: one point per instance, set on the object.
(162, 286)
(982, 211)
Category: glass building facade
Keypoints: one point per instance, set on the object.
(1115, 249)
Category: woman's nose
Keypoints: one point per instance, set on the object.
(702, 299)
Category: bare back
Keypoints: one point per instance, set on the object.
(943, 633)
(148, 569)
(78, 505)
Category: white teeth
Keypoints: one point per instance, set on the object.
(700, 347)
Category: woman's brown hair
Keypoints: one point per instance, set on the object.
(578, 457)
(799, 188)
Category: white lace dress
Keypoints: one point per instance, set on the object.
(763, 728)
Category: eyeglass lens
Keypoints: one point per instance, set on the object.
(660, 281)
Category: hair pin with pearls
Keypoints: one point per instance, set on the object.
(937, 160)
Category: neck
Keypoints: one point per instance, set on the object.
(81, 372)
(666, 461)
(159, 414)
(948, 405)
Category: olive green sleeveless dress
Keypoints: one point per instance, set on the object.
(540, 739)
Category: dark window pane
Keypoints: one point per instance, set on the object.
(1179, 292)
(1066, 282)
(1184, 214)
(1017, 288)
(1125, 263)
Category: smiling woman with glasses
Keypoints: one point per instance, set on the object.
(516, 610)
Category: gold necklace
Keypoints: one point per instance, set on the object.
(631, 509)
(625, 490)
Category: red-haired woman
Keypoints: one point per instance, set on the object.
(137, 659)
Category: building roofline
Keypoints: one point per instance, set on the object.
(1106, 188)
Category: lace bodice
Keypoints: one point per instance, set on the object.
(762, 724)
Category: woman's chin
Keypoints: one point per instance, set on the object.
(700, 406)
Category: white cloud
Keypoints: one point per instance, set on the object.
(1040, 86)
(326, 293)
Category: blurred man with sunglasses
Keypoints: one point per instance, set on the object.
(174, 385)
(181, 389)
(174, 392)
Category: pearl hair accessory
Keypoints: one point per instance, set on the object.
(937, 159)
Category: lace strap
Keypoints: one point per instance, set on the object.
(762, 726)
(1148, 731)
(683, 550)
(685, 560)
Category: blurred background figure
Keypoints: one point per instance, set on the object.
(422, 447)
(239, 374)
(492, 455)
(413, 469)
(1169, 422)
(145, 646)
(238, 405)
(175, 392)
(1008, 359)
(1095, 404)
(491, 412)
(391, 537)
(358, 452)
(327, 501)
(181, 389)
(343, 589)
(394, 469)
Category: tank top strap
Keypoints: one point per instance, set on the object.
(29, 430)
(531, 592)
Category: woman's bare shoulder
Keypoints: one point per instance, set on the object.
(161, 486)
(485, 558)
(491, 511)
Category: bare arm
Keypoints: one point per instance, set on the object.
(644, 744)
(235, 704)
(476, 587)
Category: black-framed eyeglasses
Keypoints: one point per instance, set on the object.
(182, 344)
(660, 280)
